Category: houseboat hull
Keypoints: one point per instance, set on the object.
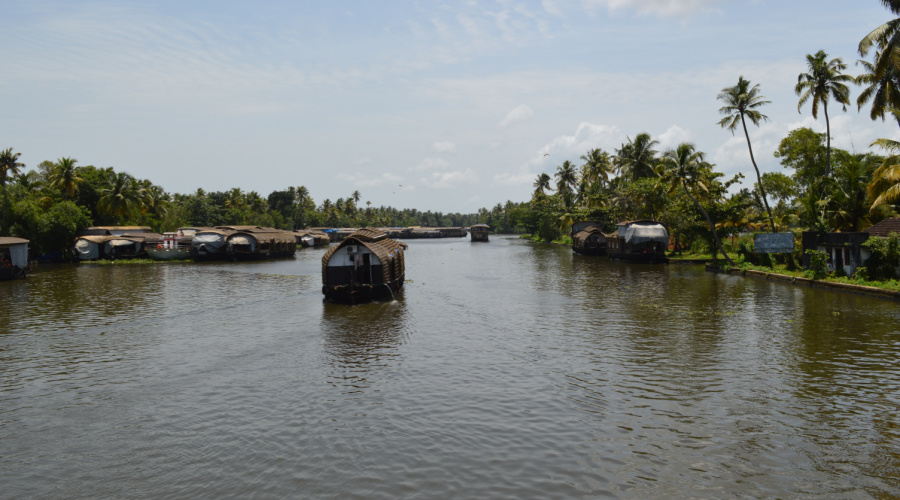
(590, 251)
(169, 253)
(361, 293)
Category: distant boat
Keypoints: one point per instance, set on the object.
(13, 258)
(308, 238)
(638, 241)
(110, 242)
(365, 266)
(209, 243)
(480, 232)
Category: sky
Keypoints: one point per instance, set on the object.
(432, 105)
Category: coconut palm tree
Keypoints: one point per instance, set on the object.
(741, 103)
(886, 38)
(637, 158)
(823, 80)
(566, 177)
(597, 165)
(685, 168)
(9, 165)
(541, 183)
(64, 177)
(883, 90)
(356, 196)
(121, 197)
(884, 188)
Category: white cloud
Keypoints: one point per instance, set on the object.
(359, 179)
(514, 180)
(430, 164)
(445, 147)
(447, 180)
(661, 8)
(674, 136)
(587, 136)
(523, 112)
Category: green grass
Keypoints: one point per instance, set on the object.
(130, 262)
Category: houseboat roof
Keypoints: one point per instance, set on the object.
(580, 237)
(479, 226)
(384, 248)
(9, 241)
(885, 227)
(95, 238)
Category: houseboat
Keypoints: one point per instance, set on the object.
(365, 266)
(174, 245)
(589, 240)
(480, 232)
(254, 243)
(638, 241)
(109, 242)
(13, 258)
(308, 238)
(209, 243)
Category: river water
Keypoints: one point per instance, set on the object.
(503, 370)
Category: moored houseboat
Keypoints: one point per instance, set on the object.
(209, 243)
(479, 232)
(589, 240)
(638, 241)
(254, 243)
(94, 242)
(309, 238)
(365, 266)
(174, 245)
(13, 258)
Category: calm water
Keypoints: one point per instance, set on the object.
(503, 370)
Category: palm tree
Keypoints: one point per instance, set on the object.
(883, 90)
(637, 158)
(741, 103)
(541, 183)
(597, 164)
(64, 177)
(566, 177)
(121, 197)
(886, 38)
(685, 168)
(9, 165)
(356, 196)
(884, 187)
(824, 79)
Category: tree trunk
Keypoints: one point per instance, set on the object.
(712, 227)
(762, 190)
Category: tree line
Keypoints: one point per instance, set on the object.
(49, 204)
(821, 188)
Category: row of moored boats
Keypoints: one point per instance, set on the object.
(637, 241)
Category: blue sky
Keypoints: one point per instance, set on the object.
(444, 106)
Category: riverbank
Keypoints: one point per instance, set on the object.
(886, 292)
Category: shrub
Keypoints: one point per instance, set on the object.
(885, 256)
(818, 264)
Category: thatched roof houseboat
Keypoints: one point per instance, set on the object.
(13, 258)
(309, 238)
(639, 241)
(365, 266)
(209, 243)
(480, 232)
(589, 240)
(110, 242)
(254, 242)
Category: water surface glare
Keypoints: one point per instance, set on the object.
(503, 370)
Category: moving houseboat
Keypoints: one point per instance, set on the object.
(480, 232)
(638, 241)
(365, 266)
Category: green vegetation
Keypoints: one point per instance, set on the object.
(821, 188)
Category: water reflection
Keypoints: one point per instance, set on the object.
(363, 339)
